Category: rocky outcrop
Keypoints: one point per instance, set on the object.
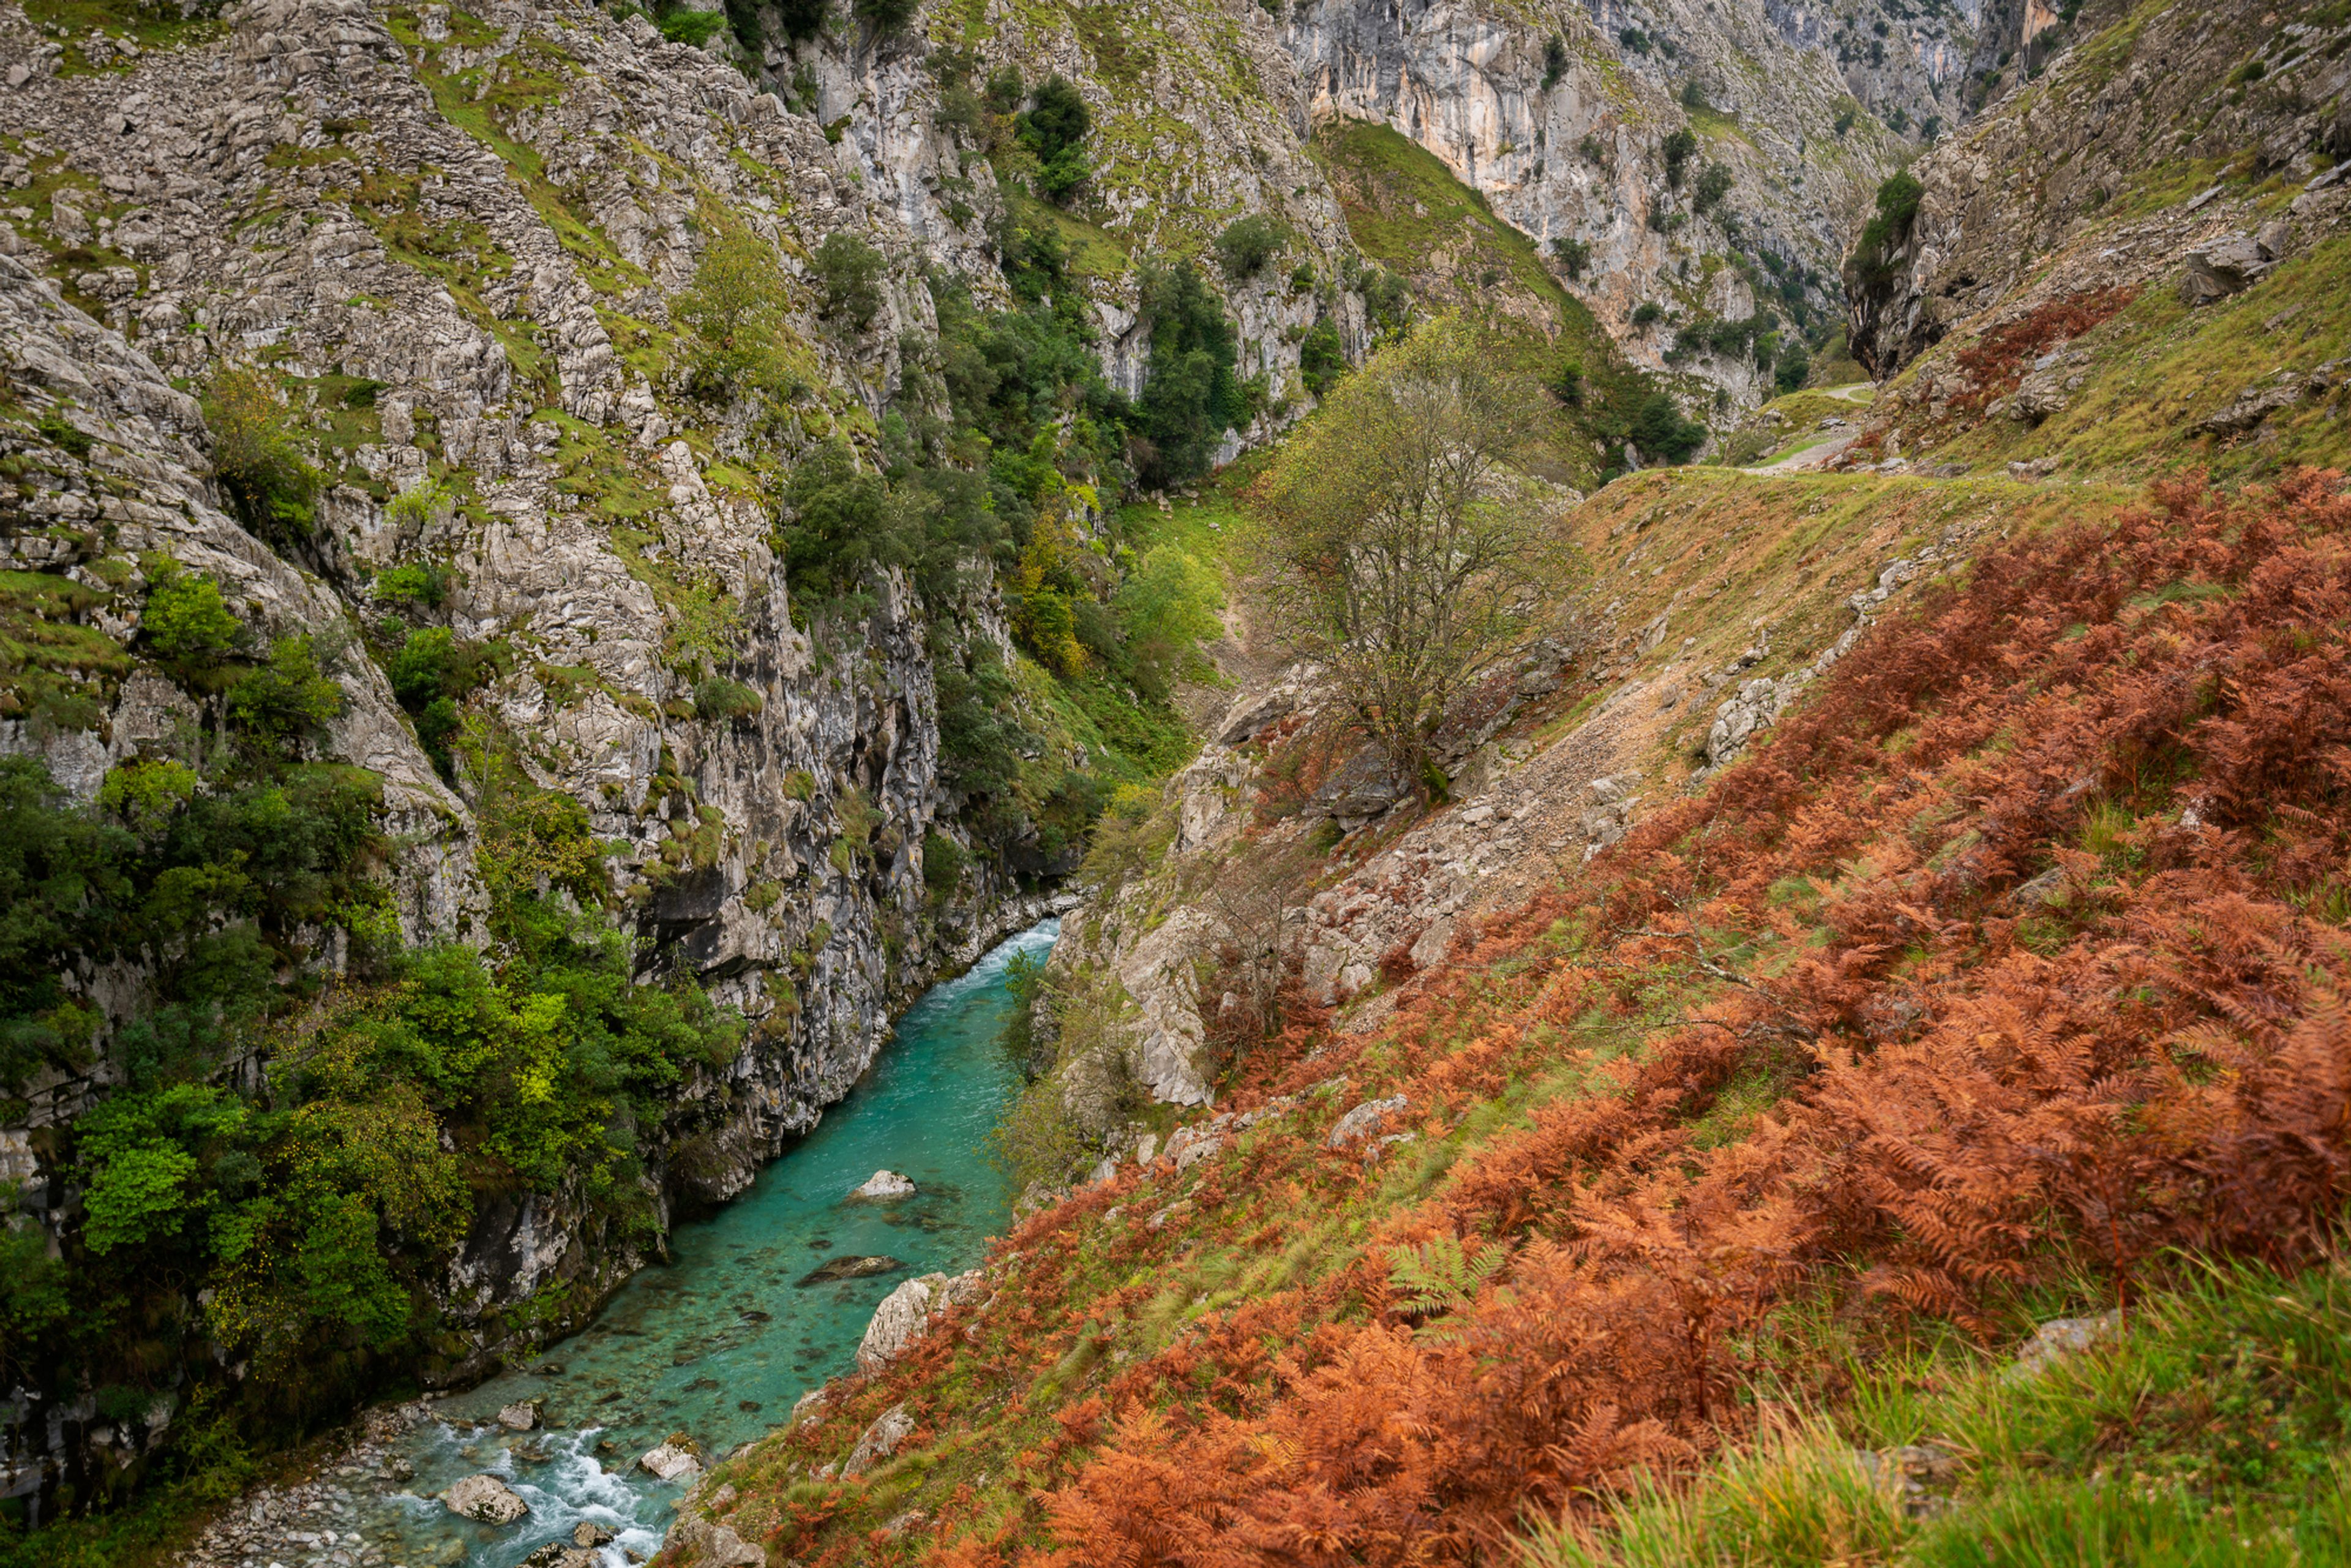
(907, 1310)
(2032, 177)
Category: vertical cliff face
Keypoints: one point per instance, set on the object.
(456, 243)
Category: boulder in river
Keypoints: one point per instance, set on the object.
(670, 1462)
(518, 1418)
(588, 1532)
(884, 1183)
(485, 1499)
(558, 1554)
(850, 1268)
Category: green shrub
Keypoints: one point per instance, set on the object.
(1322, 357)
(1661, 434)
(1054, 129)
(1555, 62)
(1678, 150)
(1792, 369)
(1574, 254)
(418, 582)
(840, 523)
(63, 434)
(268, 482)
(801, 18)
(283, 702)
(1888, 228)
(681, 25)
(944, 864)
(886, 18)
(734, 307)
(1249, 242)
(718, 699)
(1714, 183)
(1567, 383)
(185, 622)
(1647, 313)
(849, 274)
(1190, 394)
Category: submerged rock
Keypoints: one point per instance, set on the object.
(486, 1499)
(884, 1183)
(854, 1268)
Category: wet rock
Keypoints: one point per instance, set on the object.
(588, 1532)
(518, 1418)
(1364, 1120)
(884, 1183)
(485, 1499)
(881, 1440)
(851, 1267)
(669, 1461)
(558, 1555)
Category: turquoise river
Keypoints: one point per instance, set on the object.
(718, 1343)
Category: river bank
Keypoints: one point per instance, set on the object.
(707, 1351)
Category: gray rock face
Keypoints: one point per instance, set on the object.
(1364, 1120)
(880, 1440)
(907, 1310)
(2223, 266)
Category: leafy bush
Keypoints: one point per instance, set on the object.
(719, 699)
(1190, 394)
(1677, 149)
(740, 344)
(1322, 357)
(417, 582)
(432, 672)
(1887, 230)
(256, 457)
(1714, 183)
(1794, 369)
(185, 622)
(1661, 434)
(1249, 242)
(802, 19)
(1574, 254)
(1567, 383)
(680, 24)
(849, 274)
(1555, 62)
(283, 702)
(1168, 608)
(1054, 129)
(841, 524)
(1647, 313)
(886, 18)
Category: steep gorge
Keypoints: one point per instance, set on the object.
(478, 261)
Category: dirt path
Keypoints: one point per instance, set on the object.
(1811, 456)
